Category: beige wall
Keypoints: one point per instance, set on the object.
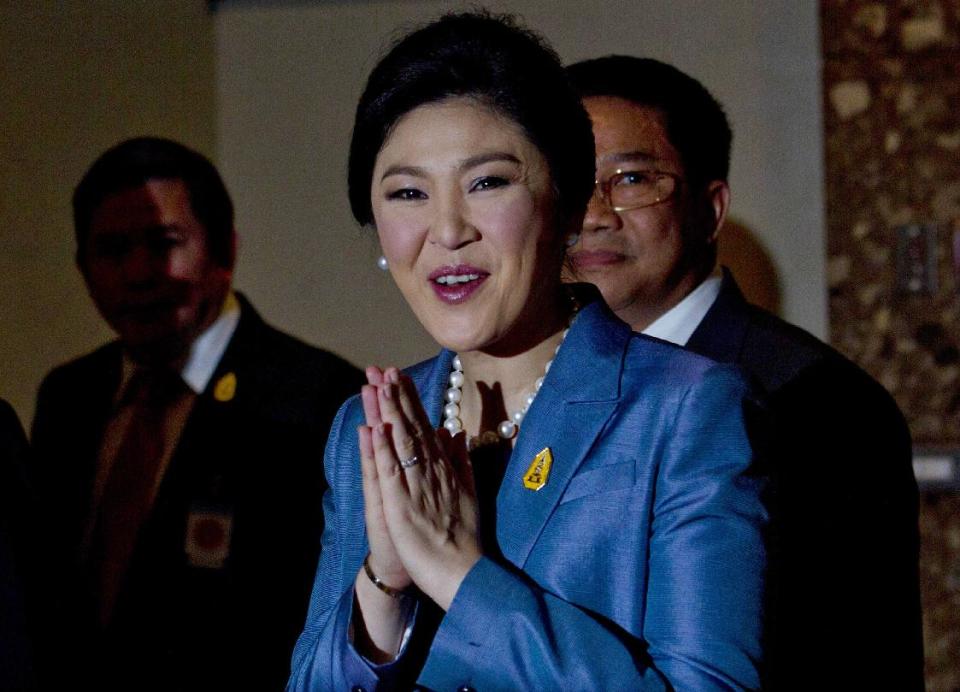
(78, 76)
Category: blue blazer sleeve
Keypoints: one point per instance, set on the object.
(322, 657)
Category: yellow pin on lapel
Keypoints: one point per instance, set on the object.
(226, 387)
(539, 471)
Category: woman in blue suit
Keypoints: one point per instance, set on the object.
(553, 502)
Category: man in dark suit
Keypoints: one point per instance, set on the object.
(180, 468)
(15, 528)
(845, 607)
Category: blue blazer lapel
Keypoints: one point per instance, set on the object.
(578, 396)
(432, 380)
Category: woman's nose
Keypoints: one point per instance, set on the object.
(452, 228)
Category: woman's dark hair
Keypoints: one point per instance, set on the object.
(501, 64)
(132, 163)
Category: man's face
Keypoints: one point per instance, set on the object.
(644, 260)
(148, 269)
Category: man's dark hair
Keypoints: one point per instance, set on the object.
(134, 162)
(504, 66)
(695, 122)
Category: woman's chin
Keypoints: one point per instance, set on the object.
(459, 343)
(459, 330)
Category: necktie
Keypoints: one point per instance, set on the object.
(128, 493)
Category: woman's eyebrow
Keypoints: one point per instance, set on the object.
(465, 164)
(414, 171)
(480, 159)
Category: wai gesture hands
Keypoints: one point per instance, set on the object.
(420, 501)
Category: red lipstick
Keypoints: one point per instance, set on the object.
(455, 284)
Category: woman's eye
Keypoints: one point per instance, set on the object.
(488, 182)
(407, 194)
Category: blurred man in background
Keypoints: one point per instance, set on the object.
(180, 468)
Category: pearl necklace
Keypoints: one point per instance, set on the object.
(507, 429)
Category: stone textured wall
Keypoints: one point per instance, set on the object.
(892, 134)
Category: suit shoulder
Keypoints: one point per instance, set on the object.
(295, 347)
(798, 363)
(776, 352)
(12, 436)
(92, 365)
(287, 380)
(775, 331)
(297, 360)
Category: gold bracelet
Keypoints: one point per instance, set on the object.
(389, 590)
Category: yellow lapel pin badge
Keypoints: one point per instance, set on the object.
(226, 387)
(539, 471)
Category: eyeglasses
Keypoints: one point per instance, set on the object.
(627, 189)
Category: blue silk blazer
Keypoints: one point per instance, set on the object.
(639, 564)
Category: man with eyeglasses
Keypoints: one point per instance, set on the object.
(844, 611)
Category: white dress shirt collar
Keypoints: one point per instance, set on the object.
(678, 323)
(208, 348)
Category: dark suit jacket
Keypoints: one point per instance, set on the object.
(257, 458)
(846, 605)
(15, 519)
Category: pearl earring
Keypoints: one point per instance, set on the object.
(573, 239)
(382, 263)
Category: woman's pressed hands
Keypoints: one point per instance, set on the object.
(429, 507)
(384, 560)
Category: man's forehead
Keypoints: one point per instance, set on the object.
(626, 132)
(619, 157)
(157, 202)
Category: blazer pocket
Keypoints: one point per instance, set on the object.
(601, 480)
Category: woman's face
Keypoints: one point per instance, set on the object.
(464, 208)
